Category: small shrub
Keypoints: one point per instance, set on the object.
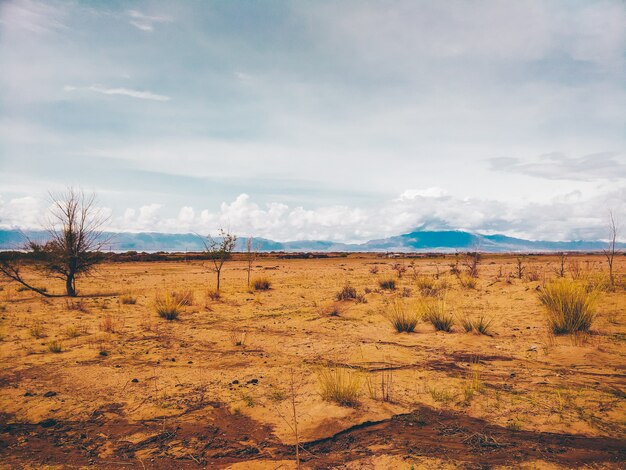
(37, 330)
(532, 274)
(467, 281)
(183, 297)
(570, 306)
(431, 287)
(340, 385)
(480, 325)
(71, 332)
(108, 324)
(387, 284)
(128, 299)
(347, 293)
(435, 313)
(262, 283)
(75, 305)
(167, 306)
(334, 309)
(361, 299)
(403, 319)
(374, 270)
(55, 347)
(213, 294)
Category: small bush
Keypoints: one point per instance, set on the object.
(108, 324)
(431, 287)
(167, 306)
(128, 299)
(340, 385)
(374, 270)
(480, 325)
(37, 330)
(213, 294)
(387, 284)
(403, 319)
(183, 297)
(334, 309)
(55, 347)
(467, 281)
(347, 293)
(71, 332)
(570, 306)
(262, 283)
(435, 313)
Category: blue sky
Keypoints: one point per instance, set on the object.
(336, 120)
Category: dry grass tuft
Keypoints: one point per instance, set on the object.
(55, 346)
(571, 307)
(72, 332)
(334, 309)
(436, 313)
(340, 385)
(262, 283)
(404, 319)
(347, 293)
(183, 297)
(431, 287)
(127, 298)
(480, 325)
(37, 330)
(167, 306)
(387, 284)
(467, 281)
(213, 294)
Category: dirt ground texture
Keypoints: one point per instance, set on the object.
(220, 386)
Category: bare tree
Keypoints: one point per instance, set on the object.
(219, 250)
(520, 266)
(472, 259)
(74, 242)
(560, 270)
(611, 249)
(252, 252)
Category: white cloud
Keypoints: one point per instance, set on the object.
(146, 22)
(142, 95)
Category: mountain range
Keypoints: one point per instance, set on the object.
(417, 241)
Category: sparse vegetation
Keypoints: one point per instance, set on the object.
(436, 313)
(262, 283)
(127, 298)
(346, 293)
(55, 346)
(403, 318)
(480, 324)
(340, 385)
(467, 281)
(183, 297)
(167, 306)
(387, 284)
(37, 330)
(569, 305)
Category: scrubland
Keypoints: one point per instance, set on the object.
(344, 362)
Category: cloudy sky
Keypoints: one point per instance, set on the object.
(334, 120)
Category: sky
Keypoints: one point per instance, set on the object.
(329, 120)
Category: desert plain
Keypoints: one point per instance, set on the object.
(101, 381)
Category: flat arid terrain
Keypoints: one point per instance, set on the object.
(102, 381)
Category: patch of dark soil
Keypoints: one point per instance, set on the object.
(428, 432)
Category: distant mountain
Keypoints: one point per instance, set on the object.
(419, 241)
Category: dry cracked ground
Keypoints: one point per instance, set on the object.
(225, 385)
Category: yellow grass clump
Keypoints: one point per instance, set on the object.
(261, 283)
(340, 385)
(467, 281)
(570, 306)
(436, 313)
(168, 306)
(183, 297)
(404, 319)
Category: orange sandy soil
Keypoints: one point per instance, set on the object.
(132, 390)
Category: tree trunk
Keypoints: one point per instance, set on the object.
(70, 286)
(218, 279)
